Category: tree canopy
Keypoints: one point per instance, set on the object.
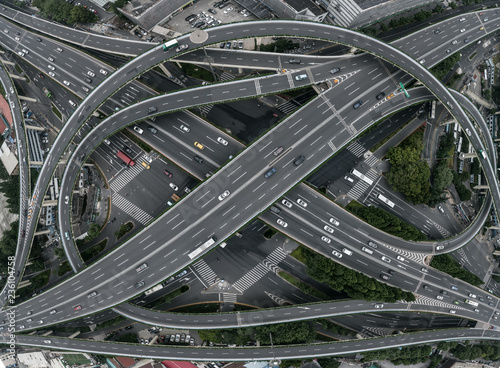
(64, 12)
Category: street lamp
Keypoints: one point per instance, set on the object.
(198, 37)
(274, 362)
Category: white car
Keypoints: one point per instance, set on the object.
(386, 259)
(453, 311)
(286, 203)
(66, 199)
(328, 228)
(20, 53)
(181, 47)
(462, 19)
(440, 297)
(50, 58)
(51, 67)
(17, 38)
(224, 195)
(185, 128)
(52, 74)
(228, 10)
(302, 203)
(472, 295)
(462, 30)
(174, 187)
(138, 130)
(222, 141)
(334, 222)
(59, 49)
(91, 73)
(53, 311)
(66, 83)
(104, 72)
(440, 247)
(337, 254)
(423, 269)
(282, 223)
(399, 258)
(326, 239)
(378, 306)
(25, 51)
(467, 130)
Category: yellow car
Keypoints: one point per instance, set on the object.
(145, 165)
(199, 145)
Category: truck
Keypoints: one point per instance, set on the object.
(125, 158)
(47, 92)
(483, 154)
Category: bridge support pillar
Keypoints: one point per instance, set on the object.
(477, 187)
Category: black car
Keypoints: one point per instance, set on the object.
(189, 17)
(222, 45)
(380, 96)
(129, 327)
(39, 39)
(299, 160)
(198, 159)
(212, 11)
(391, 272)
(357, 104)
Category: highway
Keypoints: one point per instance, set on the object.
(145, 105)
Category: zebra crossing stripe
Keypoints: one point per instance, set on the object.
(203, 269)
(257, 87)
(356, 149)
(358, 189)
(131, 209)
(125, 177)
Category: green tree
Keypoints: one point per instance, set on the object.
(286, 333)
(443, 176)
(328, 363)
(59, 252)
(93, 232)
(447, 264)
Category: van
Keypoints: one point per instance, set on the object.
(66, 234)
(301, 77)
(367, 250)
(72, 103)
(348, 179)
(347, 251)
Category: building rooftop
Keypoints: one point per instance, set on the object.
(299, 5)
(149, 13)
(177, 364)
(365, 4)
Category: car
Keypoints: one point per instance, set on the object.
(282, 223)
(50, 58)
(471, 295)
(462, 19)
(138, 130)
(453, 287)
(39, 39)
(378, 306)
(87, 79)
(334, 70)
(278, 150)
(440, 247)
(302, 203)
(462, 30)
(481, 299)
(128, 150)
(372, 244)
(286, 203)
(454, 42)
(167, 173)
(25, 51)
(386, 259)
(29, 320)
(66, 199)
(491, 304)
(294, 61)
(476, 310)
(52, 74)
(92, 294)
(347, 251)
(41, 76)
(212, 11)
(222, 141)
(174, 187)
(380, 96)
(439, 297)
(53, 311)
(488, 296)
(17, 38)
(466, 40)
(453, 311)
(59, 49)
(240, 44)
(456, 302)
(21, 326)
(103, 72)
(268, 174)
(228, 10)
(152, 129)
(91, 73)
(422, 61)
(222, 45)
(448, 51)
(191, 341)
(399, 258)
(199, 145)
(485, 19)
(337, 254)
(224, 195)
(138, 34)
(189, 17)
(383, 276)
(235, 45)
(184, 128)
(51, 67)
(426, 287)
(326, 239)
(139, 284)
(181, 47)
(86, 89)
(357, 104)
(444, 292)
(78, 307)
(328, 228)
(141, 268)
(198, 159)
(334, 221)
(299, 160)
(228, 45)
(66, 82)
(423, 269)
(437, 31)
(29, 313)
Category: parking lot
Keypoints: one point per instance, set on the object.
(200, 9)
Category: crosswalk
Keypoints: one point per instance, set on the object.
(125, 177)
(344, 11)
(205, 109)
(371, 161)
(288, 107)
(356, 149)
(358, 189)
(226, 77)
(255, 274)
(229, 298)
(131, 209)
(204, 271)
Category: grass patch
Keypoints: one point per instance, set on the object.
(302, 286)
(18, 69)
(269, 233)
(197, 72)
(198, 308)
(64, 268)
(137, 141)
(110, 322)
(56, 111)
(37, 282)
(124, 229)
(169, 297)
(299, 255)
(94, 250)
(77, 359)
(472, 56)
(454, 78)
(448, 264)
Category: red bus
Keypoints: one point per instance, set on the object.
(125, 158)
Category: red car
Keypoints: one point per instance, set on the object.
(167, 173)
(78, 307)
(41, 75)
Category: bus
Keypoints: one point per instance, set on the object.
(386, 200)
(432, 111)
(170, 44)
(483, 154)
(203, 247)
(471, 302)
(361, 176)
(153, 289)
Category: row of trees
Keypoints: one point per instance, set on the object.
(444, 67)
(386, 221)
(355, 284)
(283, 333)
(467, 351)
(406, 356)
(448, 264)
(64, 12)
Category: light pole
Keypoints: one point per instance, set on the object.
(274, 362)
(198, 37)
